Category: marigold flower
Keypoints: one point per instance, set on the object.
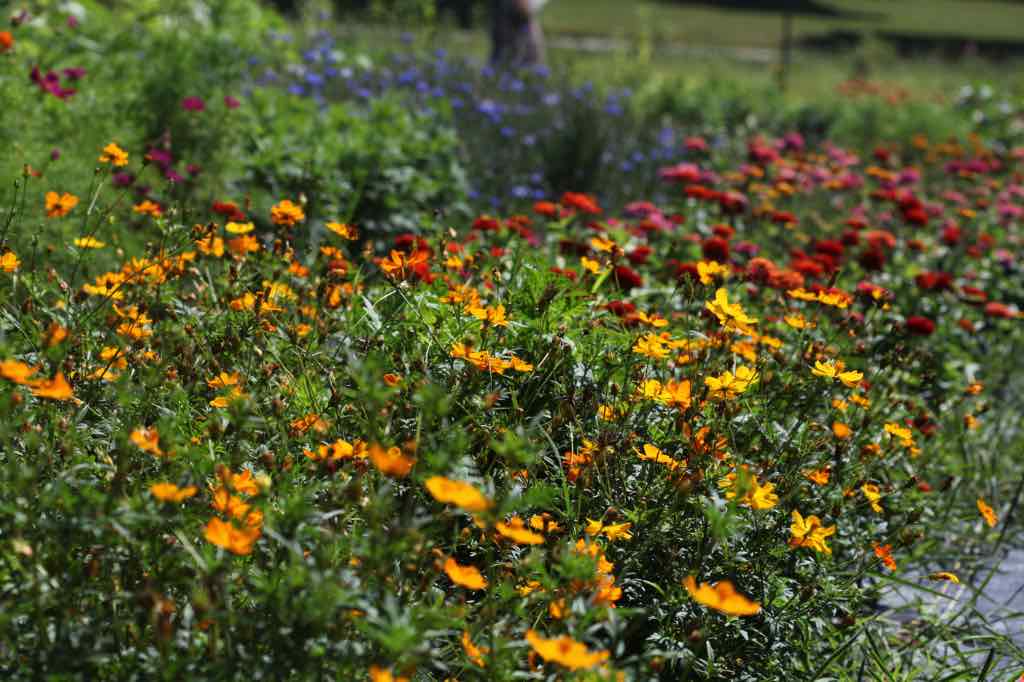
(168, 492)
(59, 205)
(566, 651)
(809, 532)
(722, 597)
(516, 531)
(462, 495)
(232, 538)
(987, 513)
(464, 576)
(9, 261)
(287, 214)
(391, 462)
(114, 155)
(56, 388)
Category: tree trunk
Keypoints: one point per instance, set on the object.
(517, 39)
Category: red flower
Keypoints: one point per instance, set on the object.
(921, 326)
(627, 278)
(1000, 310)
(639, 255)
(581, 202)
(872, 259)
(951, 235)
(485, 223)
(716, 249)
(546, 208)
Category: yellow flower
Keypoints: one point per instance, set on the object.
(516, 531)
(239, 228)
(731, 315)
(287, 214)
(603, 244)
(9, 261)
(464, 576)
(391, 462)
(232, 538)
(89, 243)
(709, 270)
(565, 651)
(494, 316)
(343, 230)
(462, 495)
(590, 265)
(114, 154)
(873, 494)
(945, 575)
(729, 385)
(612, 531)
(809, 532)
(987, 513)
(754, 495)
(901, 432)
(652, 346)
(59, 205)
(834, 370)
(653, 454)
(722, 597)
(802, 295)
(168, 492)
(798, 322)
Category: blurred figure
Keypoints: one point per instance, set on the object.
(462, 9)
(517, 38)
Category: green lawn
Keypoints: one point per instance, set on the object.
(663, 21)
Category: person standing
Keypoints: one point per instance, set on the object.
(516, 36)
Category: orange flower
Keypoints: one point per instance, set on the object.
(883, 552)
(287, 214)
(465, 576)
(18, 372)
(378, 674)
(149, 208)
(114, 154)
(565, 651)
(391, 462)
(721, 596)
(516, 531)
(343, 230)
(987, 513)
(236, 540)
(6, 41)
(148, 440)
(462, 495)
(841, 430)
(59, 205)
(168, 492)
(9, 261)
(473, 652)
(56, 388)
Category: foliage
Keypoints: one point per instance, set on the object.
(700, 438)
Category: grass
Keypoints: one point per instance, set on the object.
(666, 22)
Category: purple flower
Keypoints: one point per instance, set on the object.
(54, 154)
(193, 104)
(123, 179)
(74, 73)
